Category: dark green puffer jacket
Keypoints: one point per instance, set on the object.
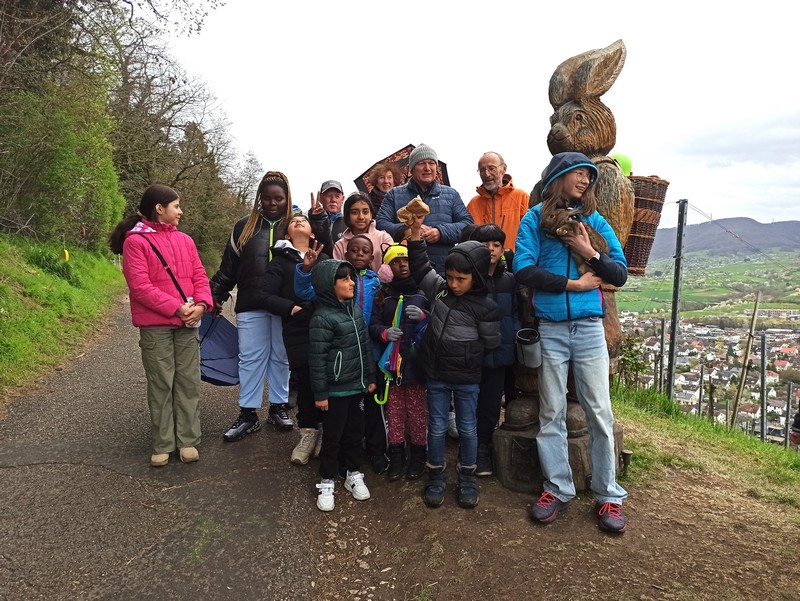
(340, 356)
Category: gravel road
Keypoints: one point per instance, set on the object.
(85, 517)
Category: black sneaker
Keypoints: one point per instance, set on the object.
(546, 508)
(484, 461)
(380, 463)
(610, 517)
(278, 417)
(241, 428)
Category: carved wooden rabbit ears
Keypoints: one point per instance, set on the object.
(587, 75)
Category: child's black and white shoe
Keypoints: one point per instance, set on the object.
(245, 424)
(355, 484)
(325, 500)
(278, 417)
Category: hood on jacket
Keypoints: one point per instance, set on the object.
(323, 279)
(286, 245)
(479, 259)
(150, 227)
(564, 162)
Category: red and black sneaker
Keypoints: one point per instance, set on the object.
(546, 508)
(611, 518)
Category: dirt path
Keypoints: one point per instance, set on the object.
(84, 517)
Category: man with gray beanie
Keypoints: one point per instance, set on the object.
(449, 215)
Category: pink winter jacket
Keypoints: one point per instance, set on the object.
(154, 297)
(379, 240)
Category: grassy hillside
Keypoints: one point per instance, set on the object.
(662, 438)
(48, 306)
(714, 285)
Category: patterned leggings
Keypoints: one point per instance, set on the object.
(408, 402)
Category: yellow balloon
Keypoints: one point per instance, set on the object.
(65, 255)
(624, 163)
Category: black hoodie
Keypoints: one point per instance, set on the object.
(461, 328)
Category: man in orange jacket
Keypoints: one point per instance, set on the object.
(498, 201)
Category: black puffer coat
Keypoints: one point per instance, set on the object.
(281, 299)
(503, 290)
(461, 328)
(383, 309)
(340, 355)
(245, 267)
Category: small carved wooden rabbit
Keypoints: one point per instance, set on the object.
(563, 221)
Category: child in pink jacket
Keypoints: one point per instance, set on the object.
(167, 313)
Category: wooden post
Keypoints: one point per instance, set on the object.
(763, 386)
(660, 366)
(788, 415)
(711, 401)
(702, 387)
(746, 363)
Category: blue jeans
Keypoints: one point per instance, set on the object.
(582, 342)
(262, 354)
(465, 400)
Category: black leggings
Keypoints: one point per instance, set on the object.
(342, 431)
(308, 416)
(490, 397)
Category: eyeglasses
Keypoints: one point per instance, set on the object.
(489, 169)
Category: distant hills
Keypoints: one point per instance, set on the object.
(734, 236)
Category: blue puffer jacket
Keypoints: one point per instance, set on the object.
(367, 287)
(543, 263)
(503, 290)
(448, 214)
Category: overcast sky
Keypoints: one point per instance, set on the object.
(708, 98)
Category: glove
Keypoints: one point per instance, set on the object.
(393, 334)
(414, 313)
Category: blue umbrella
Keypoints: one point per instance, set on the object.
(219, 351)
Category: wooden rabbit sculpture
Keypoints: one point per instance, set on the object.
(581, 123)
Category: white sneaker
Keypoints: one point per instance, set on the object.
(325, 498)
(318, 445)
(452, 430)
(308, 440)
(355, 484)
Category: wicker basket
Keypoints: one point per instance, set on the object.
(649, 200)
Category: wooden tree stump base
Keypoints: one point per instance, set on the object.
(516, 459)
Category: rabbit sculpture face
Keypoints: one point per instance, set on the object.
(581, 123)
(582, 126)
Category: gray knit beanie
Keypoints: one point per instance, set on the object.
(423, 152)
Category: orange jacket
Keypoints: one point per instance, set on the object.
(506, 209)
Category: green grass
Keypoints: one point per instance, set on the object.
(708, 280)
(48, 307)
(768, 471)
